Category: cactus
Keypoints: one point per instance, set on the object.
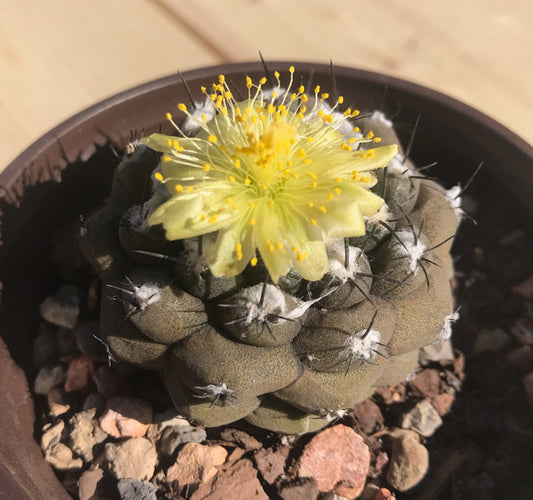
(276, 260)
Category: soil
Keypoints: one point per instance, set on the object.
(481, 451)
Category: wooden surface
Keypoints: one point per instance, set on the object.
(60, 56)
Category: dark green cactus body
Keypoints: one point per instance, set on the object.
(289, 357)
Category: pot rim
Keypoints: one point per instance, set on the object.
(27, 156)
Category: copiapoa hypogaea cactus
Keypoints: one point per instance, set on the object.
(276, 259)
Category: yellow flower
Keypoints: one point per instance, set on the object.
(271, 173)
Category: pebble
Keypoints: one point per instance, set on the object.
(66, 344)
(88, 344)
(126, 417)
(436, 352)
(338, 459)
(270, 463)
(236, 481)
(44, 345)
(94, 401)
(332, 496)
(493, 340)
(78, 374)
(51, 435)
(525, 289)
(196, 463)
(88, 484)
(109, 383)
(423, 418)
(443, 403)
(304, 488)
(135, 489)
(384, 494)
(409, 461)
(162, 420)
(62, 309)
(173, 437)
(522, 331)
(241, 438)
(133, 458)
(426, 383)
(85, 435)
(61, 458)
(57, 402)
(528, 388)
(369, 416)
(520, 358)
(392, 393)
(48, 378)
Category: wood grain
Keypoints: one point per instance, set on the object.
(58, 57)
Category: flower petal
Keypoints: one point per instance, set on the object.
(381, 158)
(343, 220)
(183, 217)
(225, 259)
(369, 203)
(268, 233)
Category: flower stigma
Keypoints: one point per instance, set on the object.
(271, 174)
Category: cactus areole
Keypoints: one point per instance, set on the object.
(276, 259)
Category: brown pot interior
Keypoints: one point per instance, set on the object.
(34, 204)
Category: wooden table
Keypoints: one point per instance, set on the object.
(60, 56)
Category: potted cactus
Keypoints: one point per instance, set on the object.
(274, 255)
(276, 259)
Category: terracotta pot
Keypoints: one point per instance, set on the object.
(49, 182)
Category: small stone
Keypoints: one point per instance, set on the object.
(57, 402)
(109, 383)
(94, 401)
(66, 344)
(240, 438)
(173, 437)
(48, 378)
(525, 289)
(330, 495)
(369, 416)
(409, 461)
(443, 403)
(338, 459)
(51, 435)
(88, 484)
(168, 418)
(135, 489)
(520, 358)
(522, 331)
(134, 458)
(423, 418)
(235, 455)
(45, 345)
(384, 494)
(392, 393)
(381, 459)
(303, 489)
(62, 309)
(528, 388)
(196, 463)
(88, 343)
(426, 383)
(270, 463)
(85, 435)
(61, 458)
(78, 374)
(237, 481)
(126, 417)
(437, 352)
(492, 340)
